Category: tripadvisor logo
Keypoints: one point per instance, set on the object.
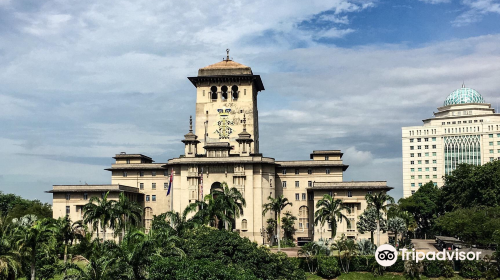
(387, 255)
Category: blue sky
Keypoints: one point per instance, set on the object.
(83, 80)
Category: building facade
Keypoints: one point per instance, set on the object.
(464, 130)
(224, 148)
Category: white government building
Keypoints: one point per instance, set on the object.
(222, 145)
(464, 130)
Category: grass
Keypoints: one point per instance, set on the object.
(369, 276)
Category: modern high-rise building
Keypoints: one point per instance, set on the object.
(222, 147)
(464, 130)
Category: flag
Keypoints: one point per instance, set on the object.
(171, 181)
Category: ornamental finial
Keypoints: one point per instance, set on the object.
(227, 51)
(191, 124)
(244, 122)
(463, 84)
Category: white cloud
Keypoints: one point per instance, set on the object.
(435, 1)
(476, 9)
(358, 158)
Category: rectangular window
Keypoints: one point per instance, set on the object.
(297, 196)
(412, 169)
(411, 147)
(426, 139)
(411, 140)
(67, 210)
(165, 186)
(434, 161)
(427, 169)
(369, 192)
(303, 196)
(349, 194)
(412, 176)
(297, 184)
(283, 171)
(434, 169)
(128, 161)
(433, 138)
(426, 154)
(434, 146)
(434, 154)
(419, 154)
(153, 186)
(165, 173)
(427, 176)
(147, 198)
(68, 196)
(491, 151)
(492, 159)
(309, 171)
(435, 184)
(491, 143)
(141, 173)
(419, 147)
(413, 184)
(434, 176)
(153, 173)
(309, 184)
(426, 146)
(419, 139)
(498, 142)
(311, 198)
(412, 162)
(296, 172)
(412, 192)
(490, 135)
(420, 169)
(283, 184)
(419, 176)
(412, 155)
(328, 171)
(498, 151)
(419, 184)
(427, 162)
(419, 162)
(124, 173)
(141, 186)
(153, 197)
(85, 196)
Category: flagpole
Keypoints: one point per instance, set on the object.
(172, 190)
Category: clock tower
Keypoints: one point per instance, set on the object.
(226, 105)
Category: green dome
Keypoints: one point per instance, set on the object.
(463, 95)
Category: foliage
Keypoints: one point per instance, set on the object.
(10, 257)
(471, 269)
(231, 201)
(270, 230)
(276, 205)
(379, 201)
(15, 207)
(425, 206)
(288, 226)
(471, 186)
(366, 247)
(362, 262)
(347, 249)
(328, 267)
(99, 212)
(310, 251)
(412, 269)
(367, 222)
(331, 211)
(397, 225)
(473, 225)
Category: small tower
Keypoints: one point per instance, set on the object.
(191, 141)
(244, 140)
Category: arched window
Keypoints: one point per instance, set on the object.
(234, 91)
(303, 217)
(213, 92)
(224, 92)
(244, 224)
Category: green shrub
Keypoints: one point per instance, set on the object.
(471, 269)
(399, 266)
(447, 269)
(362, 263)
(328, 267)
(432, 268)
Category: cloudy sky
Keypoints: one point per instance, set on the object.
(83, 80)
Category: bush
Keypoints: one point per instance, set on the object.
(328, 267)
(362, 263)
(471, 269)
(432, 268)
(447, 269)
(399, 266)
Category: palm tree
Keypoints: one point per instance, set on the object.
(99, 212)
(232, 201)
(126, 213)
(10, 258)
(310, 250)
(211, 212)
(276, 205)
(31, 239)
(288, 225)
(330, 210)
(379, 203)
(179, 222)
(68, 231)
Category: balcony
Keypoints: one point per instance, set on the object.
(239, 173)
(193, 174)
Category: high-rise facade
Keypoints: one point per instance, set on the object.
(465, 129)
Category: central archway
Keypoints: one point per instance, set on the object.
(215, 186)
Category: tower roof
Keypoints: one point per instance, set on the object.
(225, 67)
(463, 95)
